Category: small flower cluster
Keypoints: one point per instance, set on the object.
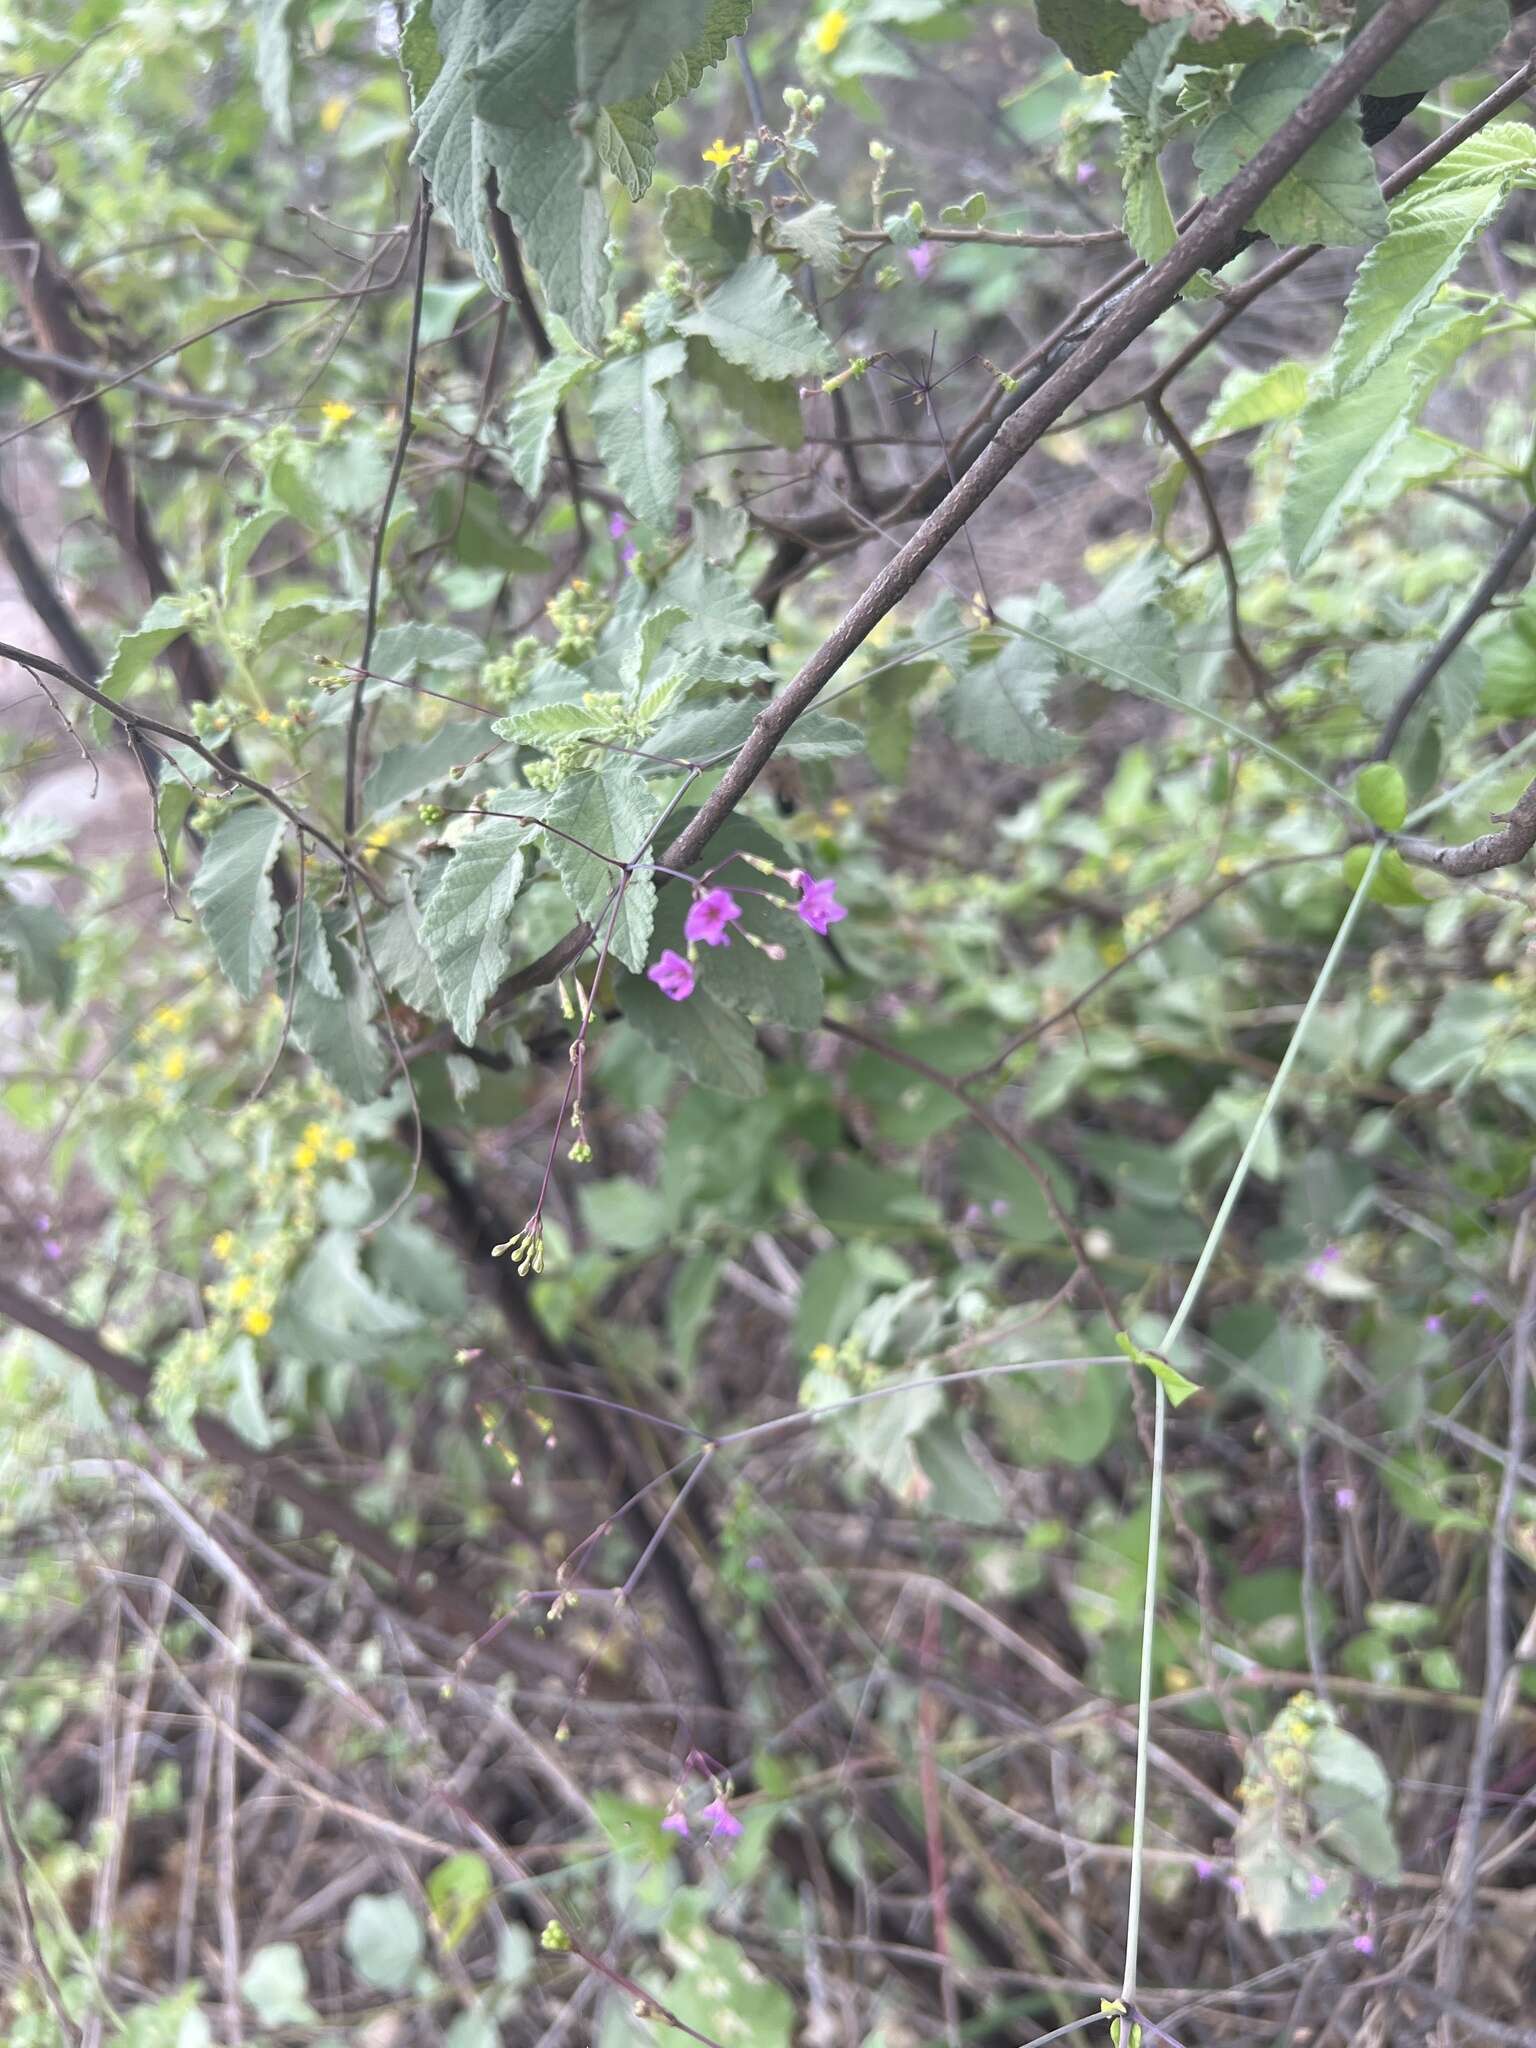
(714, 911)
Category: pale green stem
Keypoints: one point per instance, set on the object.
(1181, 1316)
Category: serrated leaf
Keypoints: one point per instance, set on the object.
(399, 651)
(401, 957)
(338, 1033)
(636, 436)
(1093, 35)
(1255, 398)
(1333, 194)
(1429, 229)
(241, 542)
(33, 938)
(623, 50)
(464, 925)
(755, 321)
(1149, 222)
(611, 813)
(532, 415)
(770, 407)
(232, 893)
(1175, 1384)
(315, 965)
(714, 1045)
(1346, 438)
(1138, 84)
(406, 771)
(1382, 794)
(998, 707)
(164, 622)
(1459, 35)
(816, 236)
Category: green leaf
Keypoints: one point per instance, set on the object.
(1138, 85)
(1392, 882)
(500, 104)
(274, 1984)
(1093, 35)
(532, 414)
(622, 50)
(768, 407)
(715, 1046)
(1254, 398)
(1149, 224)
(241, 542)
(332, 1310)
(1382, 794)
(464, 925)
(1429, 229)
(406, 771)
(701, 230)
(1459, 36)
(458, 1891)
(1345, 439)
(1175, 1384)
(232, 892)
(635, 434)
(400, 955)
(998, 707)
(337, 1032)
(164, 622)
(702, 732)
(1333, 195)
(400, 650)
(612, 814)
(384, 1940)
(755, 321)
(274, 63)
(33, 937)
(816, 236)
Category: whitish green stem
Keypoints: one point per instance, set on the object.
(1181, 1316)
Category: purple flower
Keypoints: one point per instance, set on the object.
(818, 906)
(1327, 1257)
(1363, 1945)
(1204, 1868)
(676, 1824)
(1317, 1884)
(708, 917)
(1434, 1325)
(52, 1249)
(672, 975)
(921, 259)
(722, 1822)
(1478, 1298)
(1001, 1206)
(1086, 173)
(974, 1214)
(1344, 1499)
(618, 525)
(631, 554)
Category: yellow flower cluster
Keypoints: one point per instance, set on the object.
(319, 1142)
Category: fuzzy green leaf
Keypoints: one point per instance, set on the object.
(1460, 34)
(1382, 794)
(232, 893)
(715, 1046)
(998, 707)
(532, 414)
(756, 322)
(464, 925)
(612, 813)
(635, 434)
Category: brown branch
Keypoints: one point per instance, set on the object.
(1500, 571)
(1489, 850)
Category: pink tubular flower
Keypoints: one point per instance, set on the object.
(921, 259)
(818, 906)
(676, 1824)
(673, 975)
(708, 917)
(722, 1822)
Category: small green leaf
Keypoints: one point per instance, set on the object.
(384, 1940)
(274, 1983)
(1382, 794)
(458, 1891)
(532, 414)
(1392, 882)
(714, 1045)
(464, 924)
(998, 707)
(611, 814)
(702, 231)
(970, 213)
(635, 433)
(1175, 1384)
(770, 407)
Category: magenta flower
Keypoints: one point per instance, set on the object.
(1344, 1499)
(722, 1822)
(618, 525)
(1317, 1885)
(1204, 1868)
(1434, 1325)
(676, 1824)
(673, 975)
(1363, 1945)
(818, 906)
(708, 916)
(52, 1249)
(921, 259)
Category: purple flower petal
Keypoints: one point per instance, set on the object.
(709, 917)
(675, 1824)
(673, 975)
(723, 1824)
(618, 525)
(818, 906)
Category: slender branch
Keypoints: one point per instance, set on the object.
(1489, 850)
(1500, 571)
(381, 532)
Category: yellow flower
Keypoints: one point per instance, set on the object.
(822, 1354)
(1379, 992)
(174, 1065)
(337, 411)
(304, 1157)
(263, 716)
(721, 152)
(169, 1019)
(241, 1288)
(830, 30)
(332, 114)
(256, 1322)
(315, 1134)
(344, 1149)
(223, 1245)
